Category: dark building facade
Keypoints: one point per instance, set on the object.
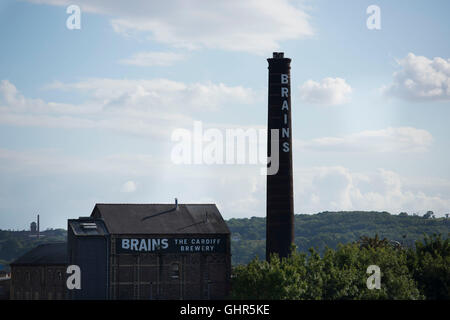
(40, 274)
(280, 194)
(5, 284)
(151, 251)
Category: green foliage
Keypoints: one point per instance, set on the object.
(376, 242)
(329, 229)
(430, 266)
(279, 279)
(416, 273)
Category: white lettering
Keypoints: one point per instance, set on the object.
(374, 21)
(374, 281)
(273, 161)
(143, 246)
(165, 243)
(208, 311)
(134, 244)
(74, 280)
(181, 152)
(213, 152)
(156, 244)
(125, 244)
(74, 20)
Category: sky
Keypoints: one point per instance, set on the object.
(88, 109)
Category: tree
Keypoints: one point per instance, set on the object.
(328, 229)
(428, 215)
(429, 264)
(277, 280)
(339, 274)
(376, 242)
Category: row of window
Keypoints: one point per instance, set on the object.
(174, 272)
(36, 275)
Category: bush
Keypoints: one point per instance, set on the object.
(422, 272)
(429, 264)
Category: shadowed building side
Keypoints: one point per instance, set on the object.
(40, 274)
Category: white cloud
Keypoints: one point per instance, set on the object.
(149, 59)
(330, 91)
(338, 188)
(253, 26)
(240, 190)
(129, 187)
(48, 162)
(148, 107)
(401, 140)
(159, 94)
(421, 79)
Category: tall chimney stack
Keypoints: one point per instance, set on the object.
(280, 195)
(38, 227)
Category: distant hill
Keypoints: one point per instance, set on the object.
(13, 244)
(331, 228)
(248, 235)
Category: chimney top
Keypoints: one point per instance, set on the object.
(278, 55)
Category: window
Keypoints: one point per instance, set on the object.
(35, 276)
(175, 271)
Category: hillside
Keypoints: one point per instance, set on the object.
(331, 228)
(248, 235)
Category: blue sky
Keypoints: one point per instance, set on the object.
(86, 115)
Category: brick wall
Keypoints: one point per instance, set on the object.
(171, 276)
(38, 283)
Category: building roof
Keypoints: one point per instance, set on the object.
(161, 218)
(44, 254)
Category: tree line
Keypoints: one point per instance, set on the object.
(418, 272)
(329, 229)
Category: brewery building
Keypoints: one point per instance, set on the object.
(151, 251)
